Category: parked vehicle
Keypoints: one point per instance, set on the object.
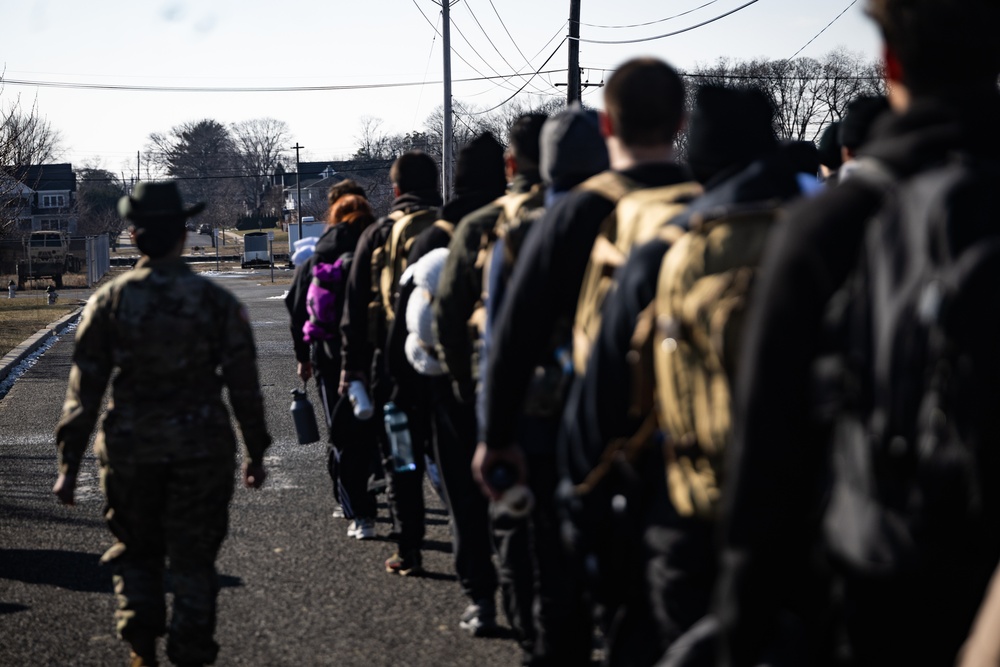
(47, 256)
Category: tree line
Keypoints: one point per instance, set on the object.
(231, 166)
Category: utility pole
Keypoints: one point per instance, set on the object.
(298, 188)
(137, 164)
(446, 147)
(573, 74)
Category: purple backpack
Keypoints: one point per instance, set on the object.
(325, 299)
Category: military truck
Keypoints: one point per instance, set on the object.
(47, 255)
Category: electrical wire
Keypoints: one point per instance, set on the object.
(427, 67)
(475, 18)
(641, 25)
(457, 54)
(494, 108)
(223, 89)
(478, 55)
(669, 34)
(853, 2)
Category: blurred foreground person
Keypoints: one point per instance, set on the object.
(888, 393)
(166, 448)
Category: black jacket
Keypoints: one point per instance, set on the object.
(334, 242)
(358, 350)
(777, 462)
(543, 292)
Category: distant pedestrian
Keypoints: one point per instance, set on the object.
(172, 340)
(51, 295)
(11, 289)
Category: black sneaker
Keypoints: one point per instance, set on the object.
(479, 618)
(404, 565)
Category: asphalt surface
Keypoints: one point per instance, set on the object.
(296, 590)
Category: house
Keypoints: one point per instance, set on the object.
(316, 179)
(40, 196)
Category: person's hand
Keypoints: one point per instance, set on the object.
(254, 475)
(305, 371)
(65, 487)
(347, 377)
(485, 458)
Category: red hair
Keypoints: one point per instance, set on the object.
(352, 209)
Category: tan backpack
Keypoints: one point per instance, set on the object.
(390, 260)
(640, 215)
(704, 285)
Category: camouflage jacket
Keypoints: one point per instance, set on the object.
(174, 339)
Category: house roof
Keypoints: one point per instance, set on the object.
(43, 177)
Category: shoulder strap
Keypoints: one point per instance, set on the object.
(445, 226)
(609, 184)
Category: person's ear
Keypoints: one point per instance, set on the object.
(396, 192)
(893, 68)
(607, 127)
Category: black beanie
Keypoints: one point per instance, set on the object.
(480, 166)
(829, 147)
(729, 127)
(858, 121)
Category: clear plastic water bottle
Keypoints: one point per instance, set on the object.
(359, 400)
(516, 500)
(397, 426)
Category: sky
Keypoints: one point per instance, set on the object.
(284, 44)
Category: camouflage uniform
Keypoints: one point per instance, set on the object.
(166, 446)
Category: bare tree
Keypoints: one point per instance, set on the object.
(259, 150)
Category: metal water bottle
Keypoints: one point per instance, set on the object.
(397, 426)
(516, 500)
(304, 417)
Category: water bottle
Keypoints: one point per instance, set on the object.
(359, 399)
(516, 500)
(397, 426)
(304, 417)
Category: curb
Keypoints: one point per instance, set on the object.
(19, 353)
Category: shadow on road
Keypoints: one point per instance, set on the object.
(6, 608)
(73, 570)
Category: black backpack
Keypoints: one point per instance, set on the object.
(907, 431)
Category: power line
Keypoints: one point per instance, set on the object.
(670, 34)
(493, 108)
(427, 67)
(223, 89)
(490, 40)
(457, 54)
(853, 2)
(641, 25)
(478, 55)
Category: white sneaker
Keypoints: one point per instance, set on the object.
(361, 529)
(338, 512)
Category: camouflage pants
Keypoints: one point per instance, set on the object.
(177, 512)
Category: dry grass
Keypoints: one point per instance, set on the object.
(23, 316)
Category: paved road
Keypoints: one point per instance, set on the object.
(296, 590)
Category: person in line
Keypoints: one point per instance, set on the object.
(364, 333)
(733, 152)
(459, 318)
(944, 101)
(317, 349)
(172, 340)
(644, 103)
(416, 368)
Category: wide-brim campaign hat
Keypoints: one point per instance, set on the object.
(156, 200)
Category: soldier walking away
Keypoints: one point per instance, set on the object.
(166, 447)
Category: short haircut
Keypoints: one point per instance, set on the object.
(524, 139)
(414, 171)
(942, 45)
(644, 100)
(348, 186)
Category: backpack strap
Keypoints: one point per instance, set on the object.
(445, 226)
